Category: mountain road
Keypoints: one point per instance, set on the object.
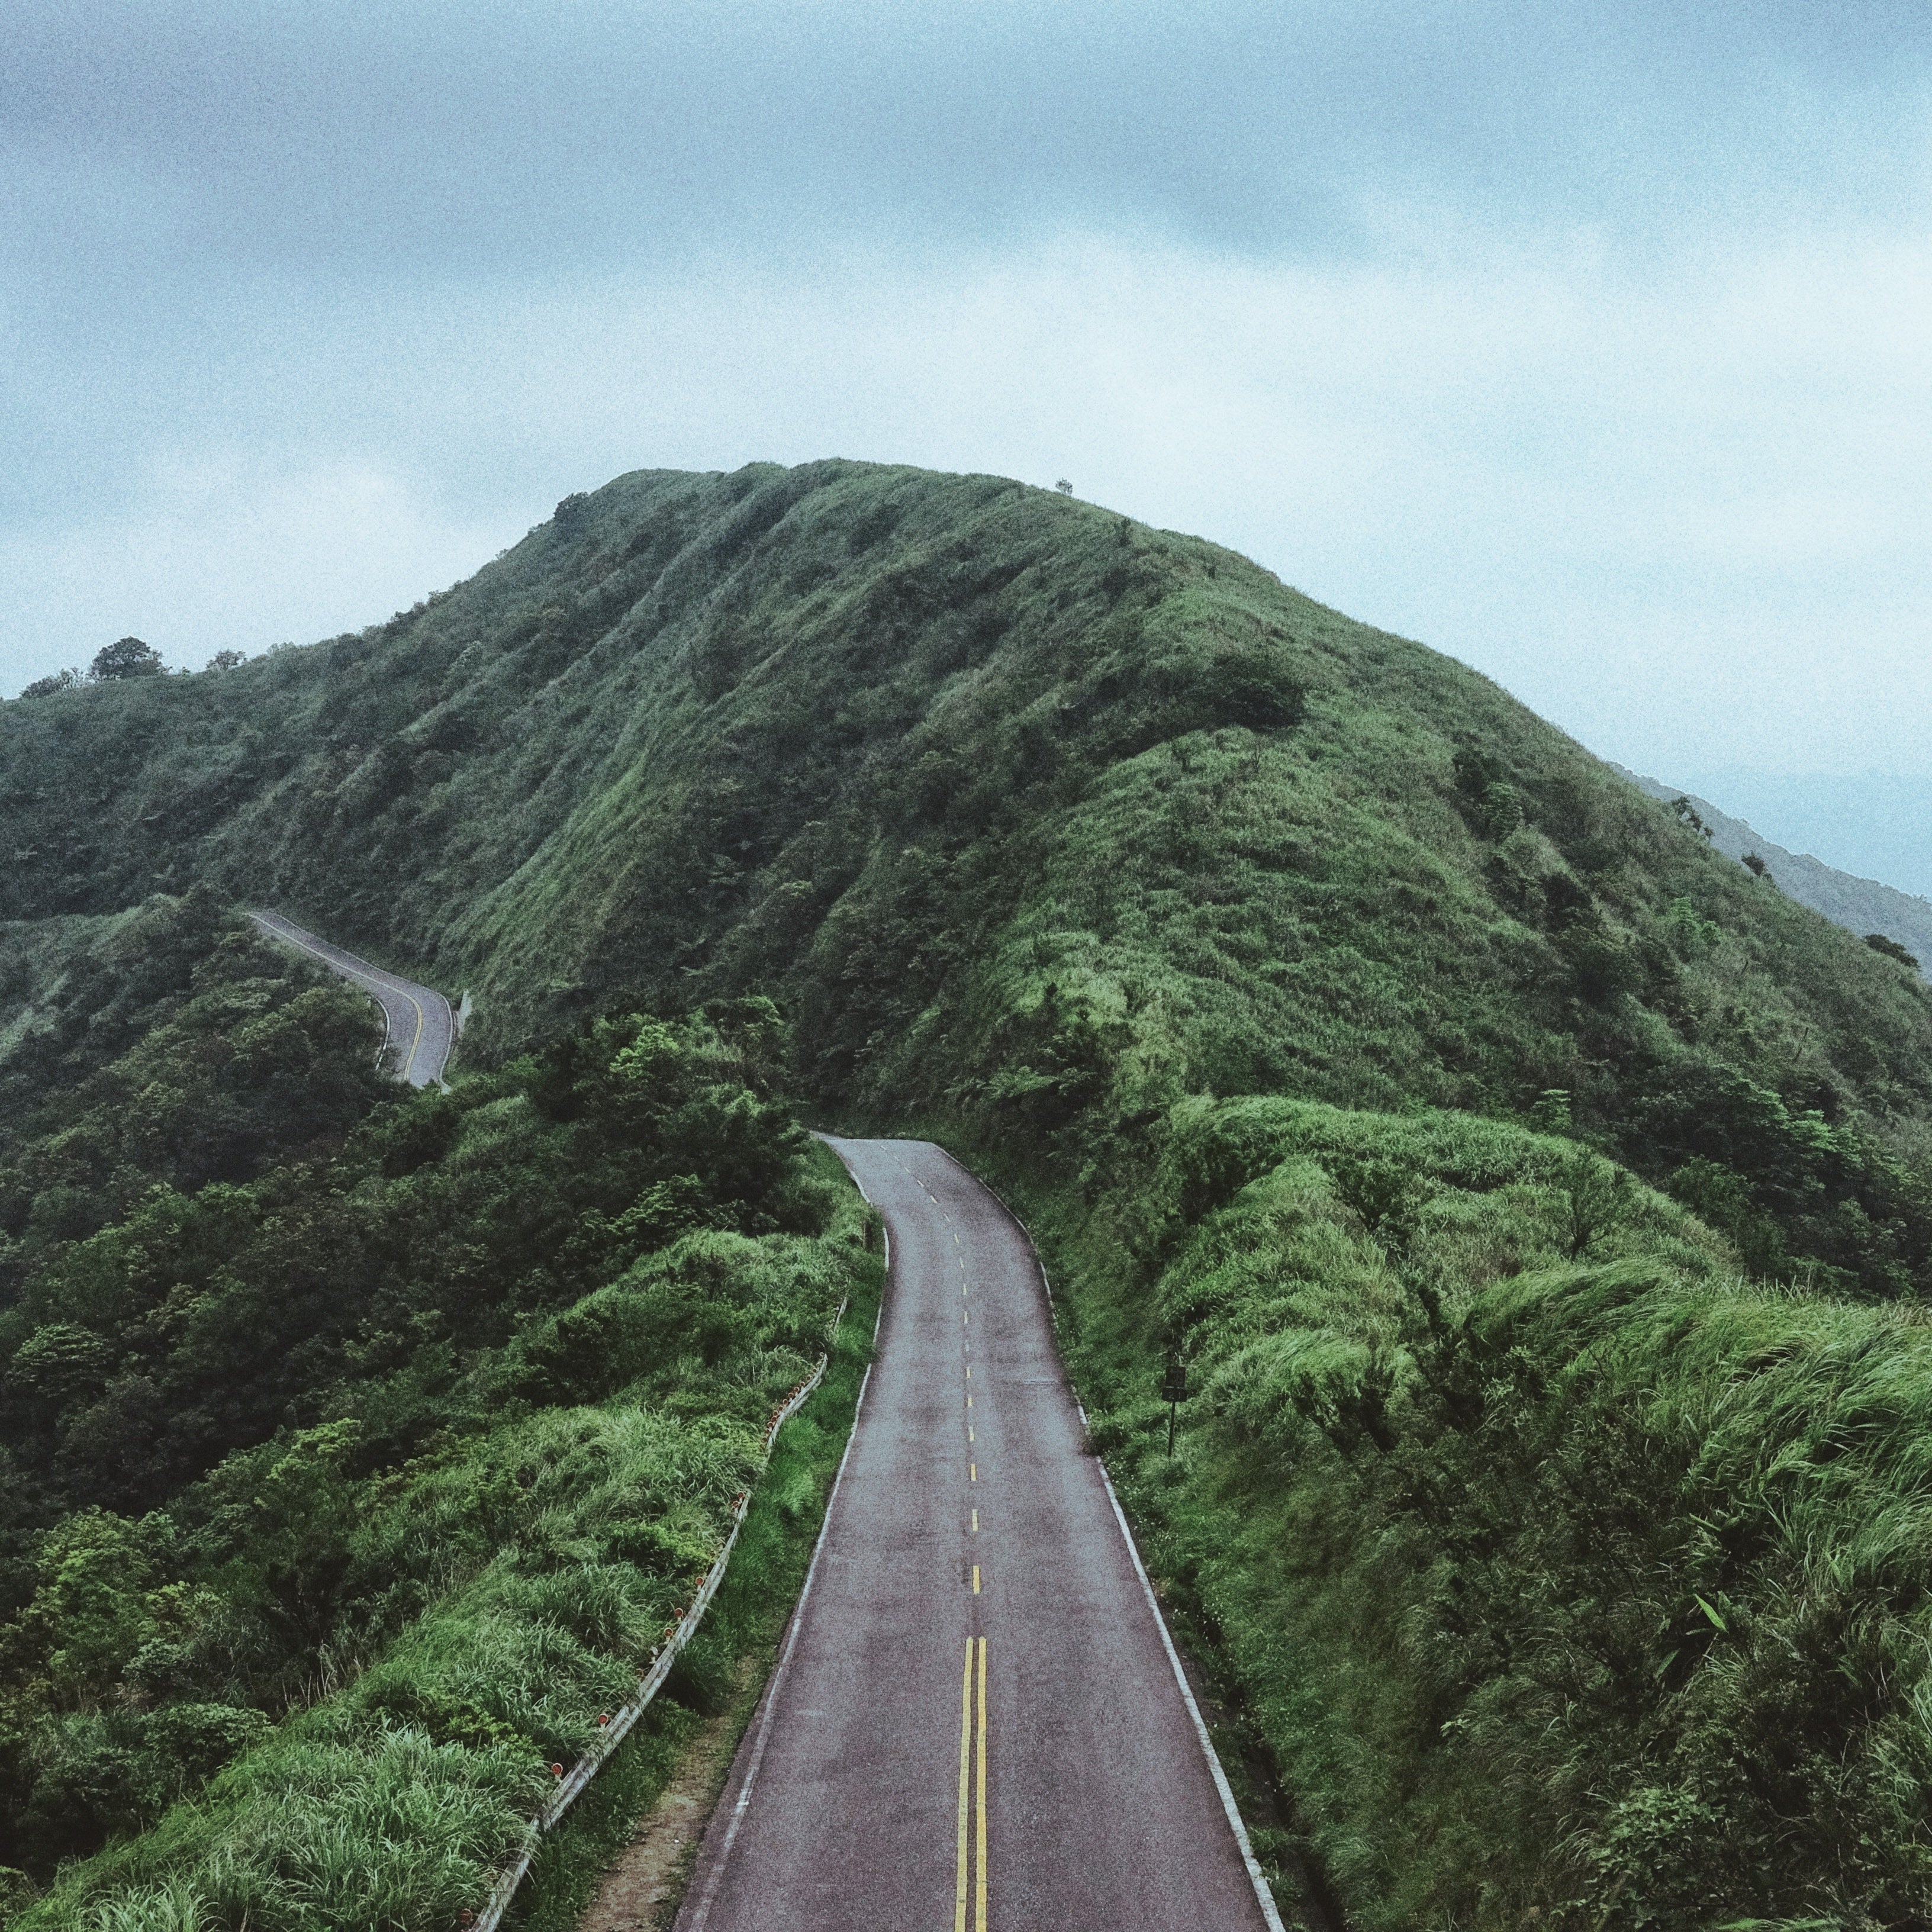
(977, 1719)
(421, 1028)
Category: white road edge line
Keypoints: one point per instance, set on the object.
(271, 923)
(886, 1235)
(716, 1875)
(370, 978)
(1264, 1897)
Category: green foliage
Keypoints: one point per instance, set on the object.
(177, 1046)
(56, 681)
(1554, 1563)
(489, 1599)
(334, 1405)
(1036, 818)
(1584, 1593)
(1687, 814)
(126, 657)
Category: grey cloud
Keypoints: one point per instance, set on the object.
(385, 141)
(1581, 341)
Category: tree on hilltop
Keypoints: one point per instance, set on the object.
(126, 657)
(60, 680)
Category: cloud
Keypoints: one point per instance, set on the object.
(387, 141)
(229, 552)
(1638, 506)
(1587, 345)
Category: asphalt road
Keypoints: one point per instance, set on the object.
(421, 1028)
(975, 1721)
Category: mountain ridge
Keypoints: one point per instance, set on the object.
(1536, 1203)
(1859, 905)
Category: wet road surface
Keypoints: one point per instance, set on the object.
(976, 1721)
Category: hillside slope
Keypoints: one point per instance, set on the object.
(1029, 811)
(1559, 1544)
(1859, 905)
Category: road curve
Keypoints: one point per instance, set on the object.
(976, 1721)
(421, 1028)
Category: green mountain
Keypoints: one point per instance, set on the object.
(1538, 1199)
(1023, 808)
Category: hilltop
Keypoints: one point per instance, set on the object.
(1027, 811)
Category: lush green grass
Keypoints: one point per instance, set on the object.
(1305, 980)
(1563, 1575)
(740, 1635)
(546, 1557)
(1029, 814)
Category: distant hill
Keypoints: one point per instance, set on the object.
(1860, 905)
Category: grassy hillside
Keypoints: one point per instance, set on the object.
(1541, 1201)
(357, 1442)
(1556, 1573)
(1027, 812)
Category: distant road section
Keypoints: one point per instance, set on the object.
(977, 1722)
(421, 1028)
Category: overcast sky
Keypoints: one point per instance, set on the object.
(1592, 345)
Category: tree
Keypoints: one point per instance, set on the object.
(1597, 1196)
(1879, 942)
(46, 687)
(1065, 488)
(227, 660)
(1754, 863)
(59, 1362)
(1687, 813)
(126, 657)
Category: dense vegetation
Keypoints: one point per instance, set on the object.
(1561, 1575)
(1539, 1199)
(1024, 810)
(364, 1439)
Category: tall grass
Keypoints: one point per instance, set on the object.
(554, 1552)
(1592, 1591)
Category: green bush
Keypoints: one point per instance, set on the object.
(1591, 1593)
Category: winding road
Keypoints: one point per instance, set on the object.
(421, 1028)
(977, 1720)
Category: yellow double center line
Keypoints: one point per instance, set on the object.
(972, 1789)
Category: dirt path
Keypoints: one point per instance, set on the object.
(645, 1881)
